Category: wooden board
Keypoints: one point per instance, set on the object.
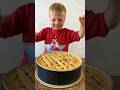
(10, 81)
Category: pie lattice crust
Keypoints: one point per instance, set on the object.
(59, 61)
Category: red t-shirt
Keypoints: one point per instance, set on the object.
(94, 25)
(62, 38)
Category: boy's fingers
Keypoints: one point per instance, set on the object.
(82, 18)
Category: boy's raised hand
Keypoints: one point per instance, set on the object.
(82, 26)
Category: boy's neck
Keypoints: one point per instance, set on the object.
(57, 29)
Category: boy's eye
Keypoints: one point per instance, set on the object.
(60, 19)
(53, 19)
(57, 20)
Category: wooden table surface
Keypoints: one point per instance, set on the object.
(116, 82)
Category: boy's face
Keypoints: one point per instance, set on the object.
(57, 20)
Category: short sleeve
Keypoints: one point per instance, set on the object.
(40, 35)
(74, 36)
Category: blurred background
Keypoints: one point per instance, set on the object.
(11, 49)
(103, 53)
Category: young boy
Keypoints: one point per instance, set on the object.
(56, 37)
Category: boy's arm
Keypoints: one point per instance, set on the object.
(82, 27)
(76, 36)
(40, 35)
(112, 14)
(37, 37)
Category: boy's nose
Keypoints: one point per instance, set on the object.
(56, 22)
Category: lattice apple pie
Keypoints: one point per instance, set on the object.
(59, 61)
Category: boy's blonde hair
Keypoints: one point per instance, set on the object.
(58, 8)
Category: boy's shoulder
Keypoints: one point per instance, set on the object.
(63, 29)
(46, 29)
(67, 30)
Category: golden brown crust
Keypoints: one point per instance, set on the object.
(60, 61)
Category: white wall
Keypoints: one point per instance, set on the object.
(104, 52)
(75, 8)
